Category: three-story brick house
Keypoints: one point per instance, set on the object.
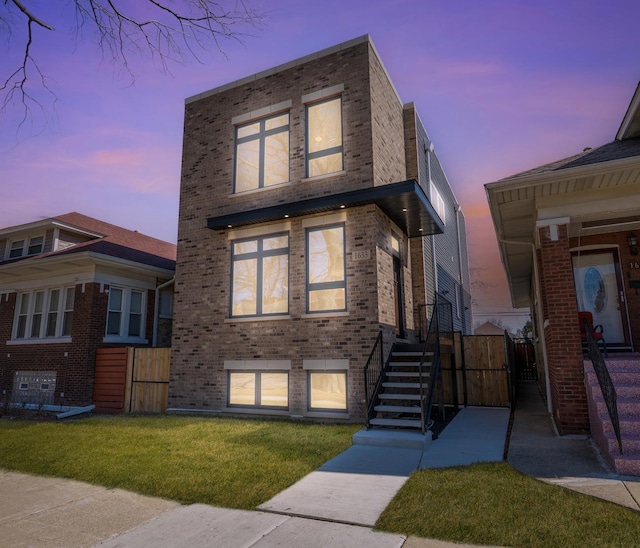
(314, 214)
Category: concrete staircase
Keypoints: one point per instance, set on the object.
(625, 374)
(399, 405)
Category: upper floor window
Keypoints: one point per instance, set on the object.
(438, 203)
(326, 269)
(126, 312)
(26, 246)
(44, 313)
(324, 137)
(262, 153)
(260, 276)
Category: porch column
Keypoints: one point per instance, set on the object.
(562, 333)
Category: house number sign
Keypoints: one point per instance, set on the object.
(361, 255)
(634, 265)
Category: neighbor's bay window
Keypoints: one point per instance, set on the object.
(324, 137)
(262, 153)
(44, 313)
(260, 276)
(326, 269)
(259, 389)
(126, 312)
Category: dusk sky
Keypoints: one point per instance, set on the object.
(501, 86)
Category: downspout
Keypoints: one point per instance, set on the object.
(156, 311)
(460, 278)
(540, 322)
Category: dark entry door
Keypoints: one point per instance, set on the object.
(398, 297)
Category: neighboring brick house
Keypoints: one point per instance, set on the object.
(568, 235)
(69, 285)
(314, 214)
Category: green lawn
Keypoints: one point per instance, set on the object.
(225, 462)
(241, 463)
(496, 505)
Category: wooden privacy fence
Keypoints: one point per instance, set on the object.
(477, 372)
(131, 380)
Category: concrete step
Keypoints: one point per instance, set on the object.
(384, 437)
(628, 410)
(629, 429)
(627, 464)
(402, 423)
(412, 397)
(397, 408)
(415, 385)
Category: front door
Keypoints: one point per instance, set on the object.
(599, 290)
(397, 296)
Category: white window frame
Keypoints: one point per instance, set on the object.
(27, 242)
(60, 313)
(125, 316)
(438, 202)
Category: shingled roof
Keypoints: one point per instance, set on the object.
(616, 150)
(111, 241)
(120, 242)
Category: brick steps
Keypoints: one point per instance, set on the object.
(625, 375)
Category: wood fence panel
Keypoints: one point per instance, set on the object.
(110, 380)
(486, 376)
(150, 380)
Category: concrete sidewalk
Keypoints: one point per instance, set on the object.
(573, 462)
(333, 506)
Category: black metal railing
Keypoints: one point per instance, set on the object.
(373, 372)
(604, 379)
(430, 360)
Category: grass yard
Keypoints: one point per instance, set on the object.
(226, 462)
(493, 504)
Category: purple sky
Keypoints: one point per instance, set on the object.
(501, 86)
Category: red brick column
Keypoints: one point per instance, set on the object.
(562, 333)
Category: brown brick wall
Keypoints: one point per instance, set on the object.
(388, 130)
(73, 362)
(204, 337)
(373, 139)
(562, 334)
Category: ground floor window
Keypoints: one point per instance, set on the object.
(328, 390)
(259, 389)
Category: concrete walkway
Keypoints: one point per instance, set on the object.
(573, 462)
(333, 506)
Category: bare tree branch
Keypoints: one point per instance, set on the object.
(166, 31)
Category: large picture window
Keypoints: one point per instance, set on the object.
(260, 276)
(324, 137)
(262, 153)
(326, 269)
(44, 313)
(328, 391)
(259, 389)
(126, 312)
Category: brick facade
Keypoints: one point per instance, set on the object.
(73, 362)
(562, 334)
(207, 341)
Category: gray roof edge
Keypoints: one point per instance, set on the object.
(633, 111)
(284, 66)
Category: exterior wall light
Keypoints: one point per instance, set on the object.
(632, 240)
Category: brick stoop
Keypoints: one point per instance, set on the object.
(625, 375)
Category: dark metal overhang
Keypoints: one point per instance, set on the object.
(405, 203)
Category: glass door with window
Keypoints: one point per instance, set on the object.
(599, 290)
